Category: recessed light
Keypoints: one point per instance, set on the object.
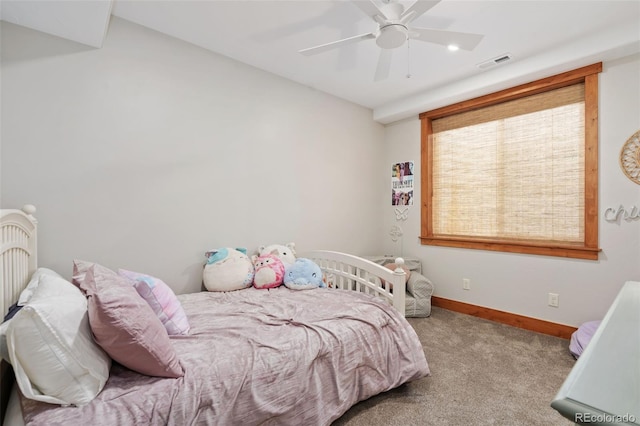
(453, 47)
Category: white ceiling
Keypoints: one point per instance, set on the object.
(543, 37)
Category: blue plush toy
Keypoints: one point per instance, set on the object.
(304, 274)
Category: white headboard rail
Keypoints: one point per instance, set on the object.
(18, 252)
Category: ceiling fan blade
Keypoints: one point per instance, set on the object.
(384, 65)
(466, 41)
(419, 8)
(370, 9)
(334, 44)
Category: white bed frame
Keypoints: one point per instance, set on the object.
(347, 272)
(18, 261)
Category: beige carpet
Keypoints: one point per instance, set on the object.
(482, 373)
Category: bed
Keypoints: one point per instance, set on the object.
(276, 356)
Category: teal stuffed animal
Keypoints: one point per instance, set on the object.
(303, 274)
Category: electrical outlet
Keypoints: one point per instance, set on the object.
(553, 299)
(466, 284)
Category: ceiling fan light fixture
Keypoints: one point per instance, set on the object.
(392, 36)
(395, 28)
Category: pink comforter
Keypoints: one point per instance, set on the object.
(264, 357)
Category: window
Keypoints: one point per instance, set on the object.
(516, 170)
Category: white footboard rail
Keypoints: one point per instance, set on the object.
(348, 272)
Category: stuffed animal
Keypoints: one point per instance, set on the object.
(269, 271)
(286, 253)
(227, 269)
(304, 274)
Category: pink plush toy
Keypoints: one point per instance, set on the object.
(269, 271)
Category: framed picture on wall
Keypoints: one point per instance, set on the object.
(402, 184)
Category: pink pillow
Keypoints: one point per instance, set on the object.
(406, 270)
(123, 324)
(80, 268)
(162, 300)
(393, 267)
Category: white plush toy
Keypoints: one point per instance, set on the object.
(286, 253)
(227, 269)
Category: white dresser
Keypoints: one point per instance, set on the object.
(603, 388)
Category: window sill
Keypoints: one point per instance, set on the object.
(525, 247)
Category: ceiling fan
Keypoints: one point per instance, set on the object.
(394, 30)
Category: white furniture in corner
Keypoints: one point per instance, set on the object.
(603, 387)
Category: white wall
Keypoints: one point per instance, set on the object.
(520, 283)
(149, 151)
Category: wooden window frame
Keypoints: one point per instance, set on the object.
(587, 250)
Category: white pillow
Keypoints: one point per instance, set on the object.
(51, 348)
(25, 295)
(33, 284)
